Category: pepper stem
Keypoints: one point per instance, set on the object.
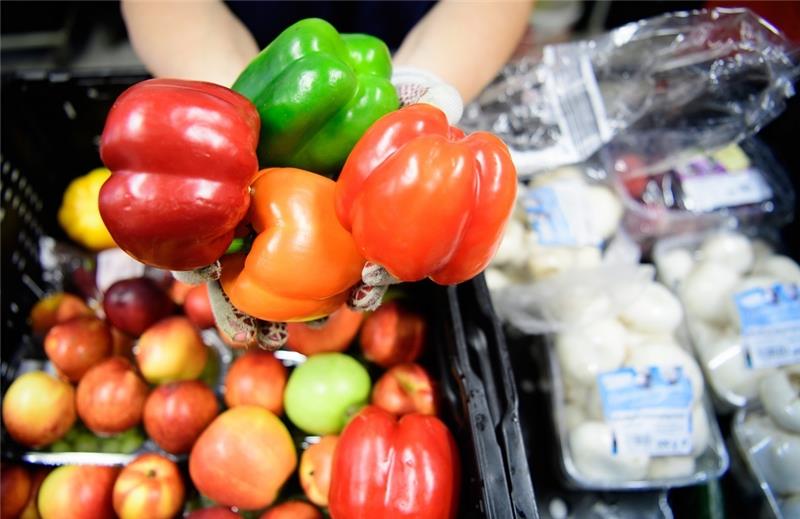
(199, 276)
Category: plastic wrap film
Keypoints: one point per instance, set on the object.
(767, 436)
(674, 84)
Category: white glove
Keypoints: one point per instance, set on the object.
(415, 85)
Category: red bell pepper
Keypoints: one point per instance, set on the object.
(182, 154)
(394, 469)
(423, 200)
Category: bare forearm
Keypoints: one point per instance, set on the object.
(199, 40)
(466, 43)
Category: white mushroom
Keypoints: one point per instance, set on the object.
(574, 391)
(671, 467)
(782, 460)
(701, 434)
(730, 248)
(655, 311)
(591, 446)
(706, 290)
(586, 352)
(782, 267)
(637, 339)
(546, 261)
(728, 371)
(496, 279)
(605, 211)
(593, 404)
(566, 173)
(577, 305)
(761, 249)
(513, 248)
(673, 266)
(573, 416)
(780, 394)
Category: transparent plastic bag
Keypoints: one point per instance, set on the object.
(571, 300)
(680, 82)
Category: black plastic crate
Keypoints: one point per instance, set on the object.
(51, 125)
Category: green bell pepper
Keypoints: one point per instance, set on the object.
(317, 91)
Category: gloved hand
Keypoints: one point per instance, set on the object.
(416, 85)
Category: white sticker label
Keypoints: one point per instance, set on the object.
(708, 186)
(649, 411)
(770, 318)
(557, 214)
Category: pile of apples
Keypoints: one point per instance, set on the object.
(137, 358)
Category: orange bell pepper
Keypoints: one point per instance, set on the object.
(302, 263)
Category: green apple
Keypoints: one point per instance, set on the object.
(324, 392)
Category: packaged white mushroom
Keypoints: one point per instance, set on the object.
(562, 223)
(628, 397)
(742, 308)
(767, 433)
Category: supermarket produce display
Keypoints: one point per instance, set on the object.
(316, 295)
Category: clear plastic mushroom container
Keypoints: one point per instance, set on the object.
(628, 398)
(767, 435)
(565, 219)
(742, 308)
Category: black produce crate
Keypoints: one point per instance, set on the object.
(50, 133)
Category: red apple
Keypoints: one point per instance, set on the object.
(31, 510)
(77, 345)
(404, 389)
(56, 308)
(197, 306)
(243, 458)
(78, 492)
(292, 510)
(150, 486)
(111, 397)
(256, 378)
(15, 489)
(315, 470)
(217, 512)
(171, 350)
(175, 414)
(133, 305)
(392, 335)
(335, 334)
(38, 409)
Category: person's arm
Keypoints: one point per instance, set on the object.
(200, 40)
(466, 43)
